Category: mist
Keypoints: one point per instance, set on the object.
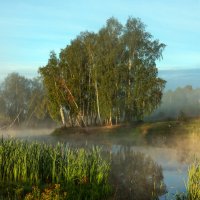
(168, 157)
(179, 103)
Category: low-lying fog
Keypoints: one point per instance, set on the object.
(27, 133)
(174, 159)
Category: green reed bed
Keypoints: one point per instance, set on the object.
(81, 174)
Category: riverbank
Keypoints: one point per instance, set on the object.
(157, 127)
(184, 134)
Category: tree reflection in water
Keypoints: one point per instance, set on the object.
(136, 176)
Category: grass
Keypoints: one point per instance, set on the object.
(152, 133)
(79, 172)
(193, 183)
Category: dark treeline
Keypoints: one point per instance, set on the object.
(22, 102)
(105, 77)
(181, 103)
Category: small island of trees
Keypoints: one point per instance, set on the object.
(105, 77)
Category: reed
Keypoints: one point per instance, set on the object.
(81, 173)
(193, 183)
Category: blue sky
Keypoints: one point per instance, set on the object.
(30, 29)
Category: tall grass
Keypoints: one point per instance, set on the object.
(82, 173)
(193, 183)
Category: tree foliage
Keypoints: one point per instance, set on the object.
(22, 100)
(106, 76)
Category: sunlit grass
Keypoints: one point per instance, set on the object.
(82, 173)
(193, 183)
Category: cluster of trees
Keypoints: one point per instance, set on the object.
(106, 76)
(182, 102)
(22, 101)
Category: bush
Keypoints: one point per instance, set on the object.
(182, 117)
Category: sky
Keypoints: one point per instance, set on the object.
(30, 29)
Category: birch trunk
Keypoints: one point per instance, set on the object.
(62, 115)
(97, 101)
(110, 119)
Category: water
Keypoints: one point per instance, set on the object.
(174, 168)
(174, 160)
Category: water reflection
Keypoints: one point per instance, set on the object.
(173, 156)
(136, 176)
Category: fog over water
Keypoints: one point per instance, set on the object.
(173, 159)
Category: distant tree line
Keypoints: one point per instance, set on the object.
(22, 101)
(105, 77)
(182, 102)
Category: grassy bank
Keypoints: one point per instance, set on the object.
(157, 127)
(170, 133)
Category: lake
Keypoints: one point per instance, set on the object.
(137, 159)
